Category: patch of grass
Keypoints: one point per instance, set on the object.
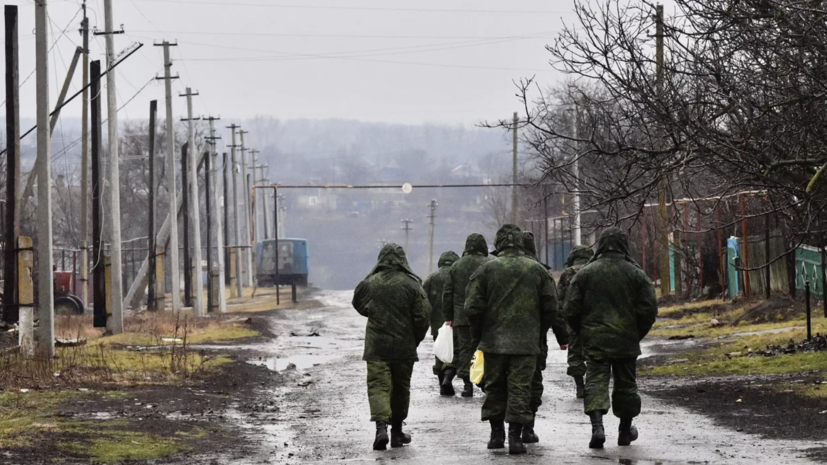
(677, 310)
(730, 358)
(24, 414)
(113, 446)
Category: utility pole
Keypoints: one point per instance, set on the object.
(578, 237)
(256, 222)
(98, 281)
(431, 217)
(256, 182)
(663, 219)
(407, 229)
(173, 233)
(236, 217)
(152, 250)
(84, 167)
(226, 225)
(514, 203)
(115, 322)
(11, 311)
(185, 199)
(219, 236)
(245, 182)
(45, 291)
(195, 211)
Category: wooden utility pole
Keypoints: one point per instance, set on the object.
(185, 179)
(151, 245)
(239, 241)
(115, 321)
(45, 291)
(98, 278)
(663, 211)
(431, 218)
(226, 205)
(216, 217)
(248, 231)
(12, 219)
(407, 229)
(194, 210)
(84, 167)
(173, 234)
(514, 180)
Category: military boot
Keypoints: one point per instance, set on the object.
(447, 386)
(381, 440)
(468, 390)
(440, 377)
(627, 433)
(515, 439)
(581, 387)
(598, 433)
(398, 438)
(529, 436)
(497, 440)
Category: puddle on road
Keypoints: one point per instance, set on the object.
(302, 362)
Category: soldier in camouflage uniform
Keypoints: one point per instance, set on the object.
(453, 305)
(511, 302)
(611, 306)
(392, 299)
(529, 436)
(578, 258)
(433, 288)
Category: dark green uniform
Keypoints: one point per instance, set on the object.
(511, 302)
(454, 295)
(530, 250)
(578, 258)
(392, 299)
(433, 288)
(611, 306)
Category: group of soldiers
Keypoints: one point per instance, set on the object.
(504, 304)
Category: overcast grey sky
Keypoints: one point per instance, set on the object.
(374, 60)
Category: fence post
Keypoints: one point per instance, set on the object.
(809, 312)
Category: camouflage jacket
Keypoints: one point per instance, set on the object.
(392, 299)
(578, 258)
(512, 301)
(454, 293)
(611, 302)
(433, 288)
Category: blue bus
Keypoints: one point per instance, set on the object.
(293, 260)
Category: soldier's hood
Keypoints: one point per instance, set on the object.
(580, 255)
(613, 240)
(509, 237)
(529, 245)
(476, 245)
(447, 259)
(392, 257)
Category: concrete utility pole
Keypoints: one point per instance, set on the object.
(430, 257)
(514, 204)
(84, 167)
(45, 291)
(266, 196)
(236, 218)
(259, 226)
(407, 229)
(152, 250)
(219, 235)
(663, 212)
(173, 234)
(115, 322)
(245, 182)
(12, 220)
(578, 236)
(195, 211)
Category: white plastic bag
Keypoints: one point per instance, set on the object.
(444, 344)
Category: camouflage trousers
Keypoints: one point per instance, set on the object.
(439, 366)
(576, 359)
(508, 387)
(389, 390)
(537, 382)
(464, 348)
(625, 401)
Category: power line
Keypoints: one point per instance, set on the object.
(323, 36)
(354, 8)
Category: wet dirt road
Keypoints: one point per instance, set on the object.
(322, 412)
